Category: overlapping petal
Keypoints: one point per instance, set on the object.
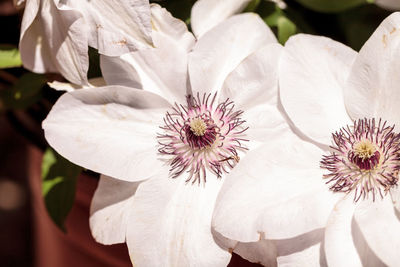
(372, 87)
(253, 85)
(267, 186)
(312, 75)
(53, 40)
(110, 130)
(110, 210)
(116, 27)
(380, 227)
(146, 69)
(221, 49)
(339, 246)
(208, 13)
(69, 87)
(170, 224)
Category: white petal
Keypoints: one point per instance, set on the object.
(261, 252)
(388, 4)
(49, 48)
(120, 71)
(380, 228)
(110, 130)
(208, 13)
(303, 250)
(110, 210)
(255, 80)
(253, 86)
(220, 50)
(116, 27)
(372, 89)
(69, 87)
(170, 224)
(166, 26)
(281, 195)
(312, 74)
(339, 246)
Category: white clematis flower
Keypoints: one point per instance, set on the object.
(326, 193)
(55, 34)
(171, 145)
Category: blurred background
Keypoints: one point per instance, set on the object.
(29, 236)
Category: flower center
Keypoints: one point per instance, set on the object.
(365, 159)
(365, 155)
(202, 137)
(198, 127)
(201, 131)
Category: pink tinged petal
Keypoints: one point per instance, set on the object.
(55, 42)
(339, 246)
(165, 26)
(381, 228)
(372, 87)
(110, 130)
(110, 210)
(208, 13)
(221, 49)
(259, 195)
(313, 71)
(170, 224)
(116, 27)
(253, 85)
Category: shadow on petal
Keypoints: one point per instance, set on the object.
(366, 254)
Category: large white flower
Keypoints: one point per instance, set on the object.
(326, 192)
(171, 145)
(55, 34)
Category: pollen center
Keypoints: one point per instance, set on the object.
(364, 159)
(364, 149)
(365, 155)
(198, 126)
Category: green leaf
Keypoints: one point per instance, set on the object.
(331, 6)
(252, 6)
(9, 57)
(286, 28)
(25, 92)
(59, 178)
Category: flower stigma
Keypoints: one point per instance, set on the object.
(365, 158)
(202, 136)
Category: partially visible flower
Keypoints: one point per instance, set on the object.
(55, 34)
(388, 4)
(208, 13)
(326, 192)
(171, 145)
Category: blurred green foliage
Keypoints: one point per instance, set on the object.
(24, 92)
(9, 57)
(331, 6)
(59, 178)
